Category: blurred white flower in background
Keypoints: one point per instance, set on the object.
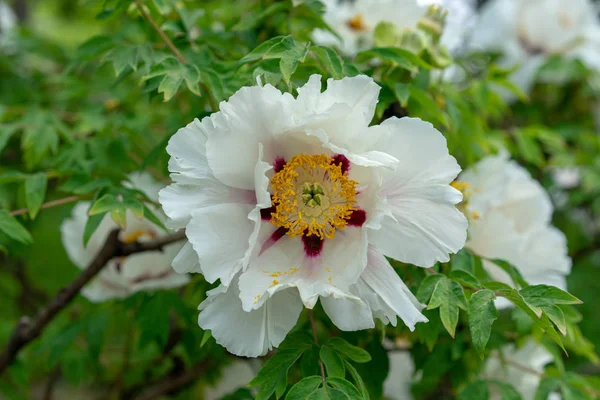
(528, 32)
(234, 376)
(124, 276)
(461, 19)
(397, 383)
(8, 23)
(566, 177)
(355, 22)
(290, 200)
(520, 367)
(510, 219)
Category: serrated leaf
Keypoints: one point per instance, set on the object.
(427, 287)
(481, 315)
(449, 297)
(354, 353)
(466, 279)
(333, 362)
(305, 388)
(172, 74)
(290, 59)
(106, 203)
(129, 56)
(265, 47)
(92, 223)
(35, 191)
(13, 229)
(329, 59)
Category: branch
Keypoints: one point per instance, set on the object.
(52, 203)
(163, 35)
(28, 330)
(171, 383)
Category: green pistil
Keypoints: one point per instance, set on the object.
(312, 193)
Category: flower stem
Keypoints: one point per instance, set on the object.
(49, 204)
(314, 332)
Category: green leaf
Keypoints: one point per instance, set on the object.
(481, 314)
(129, 56)
(330, 60)
(358, 380)
(273, 44)
(349, 391)
(276, 368)
(290, 60)
(354, 353)
(309, 364)
(150, 216)
(463, 261)
(13, 229)
(403, 58)
(507, 391)
(255, 18)
(448, 295)
(428, 105)
(205, 336)
(540, 295)
(92, 223)
(6, 131)
(333, 362)
(478, 390)
(466, 279)
(512, 271)
(529, 148)
(547, 386)
(402, 93)
(305, 388)
(427, 287)
(172, 74)
(106, 203)
(35, 191)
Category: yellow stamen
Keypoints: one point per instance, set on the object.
(312, 196)
(136, 235)
(357, 23)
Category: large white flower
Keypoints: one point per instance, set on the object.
(516, 367)
(123, 276)
(527, 32)
(287, 200)
(355, 22)
(510, 216)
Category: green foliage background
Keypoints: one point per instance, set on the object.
(90, 91)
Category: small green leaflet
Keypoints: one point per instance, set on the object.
(481, 314)
(13, 229)
(35, 191)
(332, 62)
(448, 295)
(333, 362)
(352, 352)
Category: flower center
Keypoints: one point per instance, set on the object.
(357, 23)
(463, 206)
(312, 196)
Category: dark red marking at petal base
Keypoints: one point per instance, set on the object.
(341, 159)
(357, 218)
(279, 164)
(275, 236)
(313, 245)
(265, 213)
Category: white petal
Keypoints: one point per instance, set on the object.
(251, 116)
(187, 260)
(284, 264)
(187, 149)
(348, 315)
(385, 282)
(397, 383)
(249, 334)
(219, 235)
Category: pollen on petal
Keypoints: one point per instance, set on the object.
(357, 218)
(313, 245)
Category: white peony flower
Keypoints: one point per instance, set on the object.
(510, 215)
(515, 366)
(566, 177)
(124, 276)
(397, 384)
(235, 376)
(8, 23)
(460, 20)
(528, 32)
(355, 22)
(287, 200)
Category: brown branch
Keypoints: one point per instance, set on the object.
(28, 330)
(172, 383)
(52, 203)
(163, 35)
